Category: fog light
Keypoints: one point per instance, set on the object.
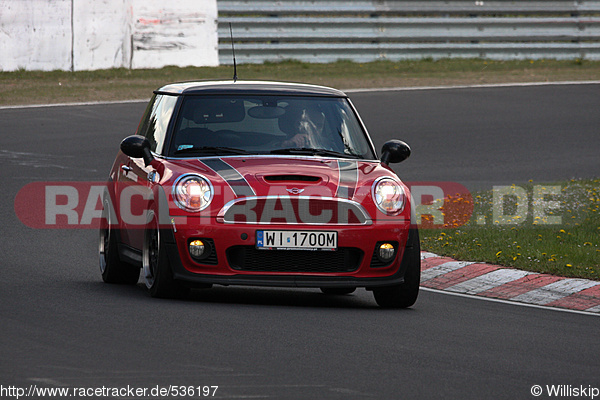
(386, 251)
(196, 248)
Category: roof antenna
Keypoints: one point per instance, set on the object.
(233, 50)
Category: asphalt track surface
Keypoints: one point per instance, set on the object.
(61, 326)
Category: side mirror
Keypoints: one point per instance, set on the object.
(394, 151)
(136, 146)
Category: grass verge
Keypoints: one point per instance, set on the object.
(35, 87)
(561, 238)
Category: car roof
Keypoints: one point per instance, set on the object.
(248, 87)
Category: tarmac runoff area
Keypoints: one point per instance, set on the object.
(509, 284)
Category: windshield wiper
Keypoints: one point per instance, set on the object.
(314, 152)
(212, 150)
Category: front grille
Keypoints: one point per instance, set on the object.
(249, 258)
(294, 210)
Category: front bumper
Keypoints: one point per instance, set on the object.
(229, 237)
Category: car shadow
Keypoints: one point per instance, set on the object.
(246, 295)
(286, 297)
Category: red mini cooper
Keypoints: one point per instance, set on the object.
(258, 183)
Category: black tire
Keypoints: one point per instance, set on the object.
(113, 270)
(338, 291)
(157, 272)
(405, 294)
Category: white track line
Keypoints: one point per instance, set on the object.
(89, 103)
(478, 86)
(510, 302)
(389, 89)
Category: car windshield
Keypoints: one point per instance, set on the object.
(229, 125)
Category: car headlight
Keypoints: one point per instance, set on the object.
(388, 195)
(192, 192)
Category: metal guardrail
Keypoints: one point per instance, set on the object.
(328, 30)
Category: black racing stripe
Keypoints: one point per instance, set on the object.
(348, 179)
(238, 184)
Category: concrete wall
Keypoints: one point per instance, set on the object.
(35, 34)
(98, 34)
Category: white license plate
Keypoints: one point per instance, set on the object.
(296, 240)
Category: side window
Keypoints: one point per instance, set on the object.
(156, 121)
(143, 125)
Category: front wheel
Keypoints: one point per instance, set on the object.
(155, 264)
(405, 294)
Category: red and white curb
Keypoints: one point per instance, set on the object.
(498, 282)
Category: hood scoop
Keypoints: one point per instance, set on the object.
(291, 178)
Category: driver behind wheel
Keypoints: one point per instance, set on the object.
(303, 126)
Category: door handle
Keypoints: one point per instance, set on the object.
(125, 168)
